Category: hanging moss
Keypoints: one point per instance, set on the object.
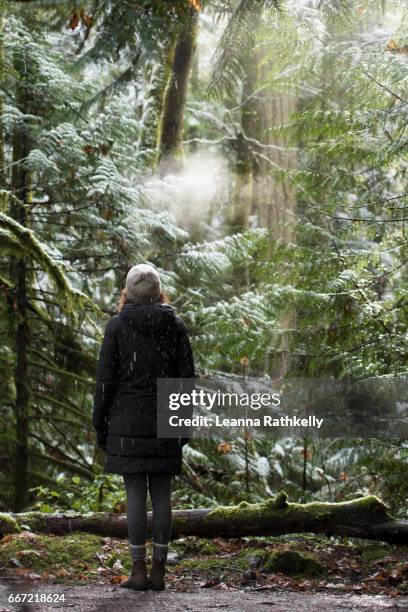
(15, 236)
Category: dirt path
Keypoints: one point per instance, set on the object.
(114, 599)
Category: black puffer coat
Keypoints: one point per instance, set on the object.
(142, 343)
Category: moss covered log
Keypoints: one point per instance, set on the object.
(366, 517)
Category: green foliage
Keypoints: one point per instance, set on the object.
(235, 42)
(352, 205)
(101, 495)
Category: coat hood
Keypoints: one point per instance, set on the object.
(149, 319)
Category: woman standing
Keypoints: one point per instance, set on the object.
(143, 342)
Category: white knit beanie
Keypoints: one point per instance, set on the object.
(143, 284)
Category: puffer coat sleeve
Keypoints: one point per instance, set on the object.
(185, 354)
(106, 380)
(186, 369)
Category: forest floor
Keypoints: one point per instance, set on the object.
(113, 599)
(287, 573)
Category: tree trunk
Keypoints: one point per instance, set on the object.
(243, 193)
(366, 517)
(18, 268)
(241, 201)
(274, 196)
(276, 199)
(157, 77)
(2, 71)
(171, 129)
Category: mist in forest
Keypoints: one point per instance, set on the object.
(195, 194)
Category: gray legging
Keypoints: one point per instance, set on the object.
(160, 494)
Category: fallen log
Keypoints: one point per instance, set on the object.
(365, 517)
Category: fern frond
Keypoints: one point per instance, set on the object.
(236, 40)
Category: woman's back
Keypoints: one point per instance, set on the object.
(142, 343)
(148, 339)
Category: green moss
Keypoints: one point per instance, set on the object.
(279, 507)
(205, 563)
(36, 521)
(281, 500)
(270, 507)
(74, 553)
(372, 552)
(288, 562)
(293, 563)
(243, 505)
(236, 561)
(180, 523)
(403, 588)
(250, 554)
(8, 523)
(195, 546)
(207, 547)
(369, 503)
(372, 503)
(276, 507)
(318, 510)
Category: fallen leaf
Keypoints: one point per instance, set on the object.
(27, 552)
(118, 579)
(7, 538)
(31, 576)
(224, 448)
(208, 584)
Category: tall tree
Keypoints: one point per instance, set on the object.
(275, 199)
(172, 120)
(242, 198)
(21, 189)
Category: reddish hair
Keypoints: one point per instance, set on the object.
(163, 299)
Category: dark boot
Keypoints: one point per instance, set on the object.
(156, 578)
(138, 579)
